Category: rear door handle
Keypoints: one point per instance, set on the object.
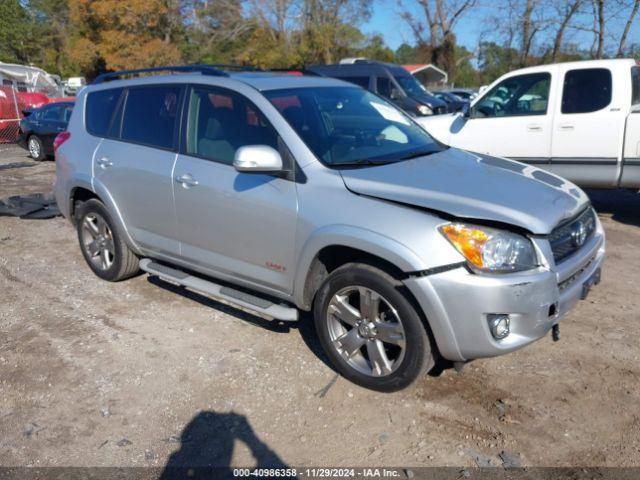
(104, 162)
(566, 126)
(534, 127)
(186, 180)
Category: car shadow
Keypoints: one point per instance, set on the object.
(304, 325)
(622, 205)
(207, 444)
(14, 165)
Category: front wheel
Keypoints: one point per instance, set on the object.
(370, 330)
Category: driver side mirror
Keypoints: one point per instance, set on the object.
(257, 159)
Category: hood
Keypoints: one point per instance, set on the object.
(474, 186)
(428, 99)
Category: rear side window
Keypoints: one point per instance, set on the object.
(66, 113)
(383, 86)
(100, 108)
(635, 86)
(150, 115)
(586, 90)
(360, 81)
(220, 122)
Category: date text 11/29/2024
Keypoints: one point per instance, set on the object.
(319, 472)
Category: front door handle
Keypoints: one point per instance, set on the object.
(186, 180)
(566, 126)
(104, 162)
(534, 127)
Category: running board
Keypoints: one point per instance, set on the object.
(236, 298)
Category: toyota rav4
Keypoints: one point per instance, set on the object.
(279, 194)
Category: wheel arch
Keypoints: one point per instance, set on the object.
(333, 247)
(83, 193)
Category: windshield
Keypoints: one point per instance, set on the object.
(412, 86)
(350, 126)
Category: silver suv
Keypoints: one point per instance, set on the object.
(278, 193)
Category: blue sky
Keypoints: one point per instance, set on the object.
(386, 21)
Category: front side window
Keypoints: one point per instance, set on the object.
(516, 96)
(150, 115)
(52, 114)
(586, 90)
(220, 122)
(99, 111)
(350, 126)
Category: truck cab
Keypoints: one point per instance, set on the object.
(580, 120)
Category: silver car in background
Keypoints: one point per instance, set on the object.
(277, 193)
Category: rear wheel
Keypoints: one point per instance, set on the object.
(102, 246)
(370, 330)
(36, 150)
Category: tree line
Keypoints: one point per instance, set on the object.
(86, 37)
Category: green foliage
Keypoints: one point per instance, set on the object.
(15, 31)
(85, 37)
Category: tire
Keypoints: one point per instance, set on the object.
(101, 244)
(386, 354)
(35, 148)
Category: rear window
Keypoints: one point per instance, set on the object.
(150, 115)
(635, 84)
(586, 90)
(100, 108)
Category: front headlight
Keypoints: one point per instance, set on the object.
(489, 249)
(425, 110)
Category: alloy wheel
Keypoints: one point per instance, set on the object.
(34, 148)
(366, 330)
(97, 241)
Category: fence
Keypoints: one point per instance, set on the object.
(10, 114)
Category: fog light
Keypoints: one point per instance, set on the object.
(499, 325)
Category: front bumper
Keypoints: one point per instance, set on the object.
(456, 303)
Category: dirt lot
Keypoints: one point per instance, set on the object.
(129, 374)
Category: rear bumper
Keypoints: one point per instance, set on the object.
(456, 303)
(22, 140)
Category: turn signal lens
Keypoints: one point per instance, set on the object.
(469, 241)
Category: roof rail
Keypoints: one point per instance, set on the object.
(212, 70)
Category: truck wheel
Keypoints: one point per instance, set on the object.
(102, 246)
(36, 150)
(370, 330)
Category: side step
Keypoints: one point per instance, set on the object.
(236, 298)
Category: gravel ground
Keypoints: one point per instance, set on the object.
(139, 374)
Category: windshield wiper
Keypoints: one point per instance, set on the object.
(422, 153)
(362, 161)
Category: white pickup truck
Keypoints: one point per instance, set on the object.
(580, 120)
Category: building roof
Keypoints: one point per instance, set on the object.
(419, 67)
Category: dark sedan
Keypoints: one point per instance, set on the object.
(454, 103)
(40, 127)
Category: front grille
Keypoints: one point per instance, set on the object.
(440, 110)
(569, 237)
